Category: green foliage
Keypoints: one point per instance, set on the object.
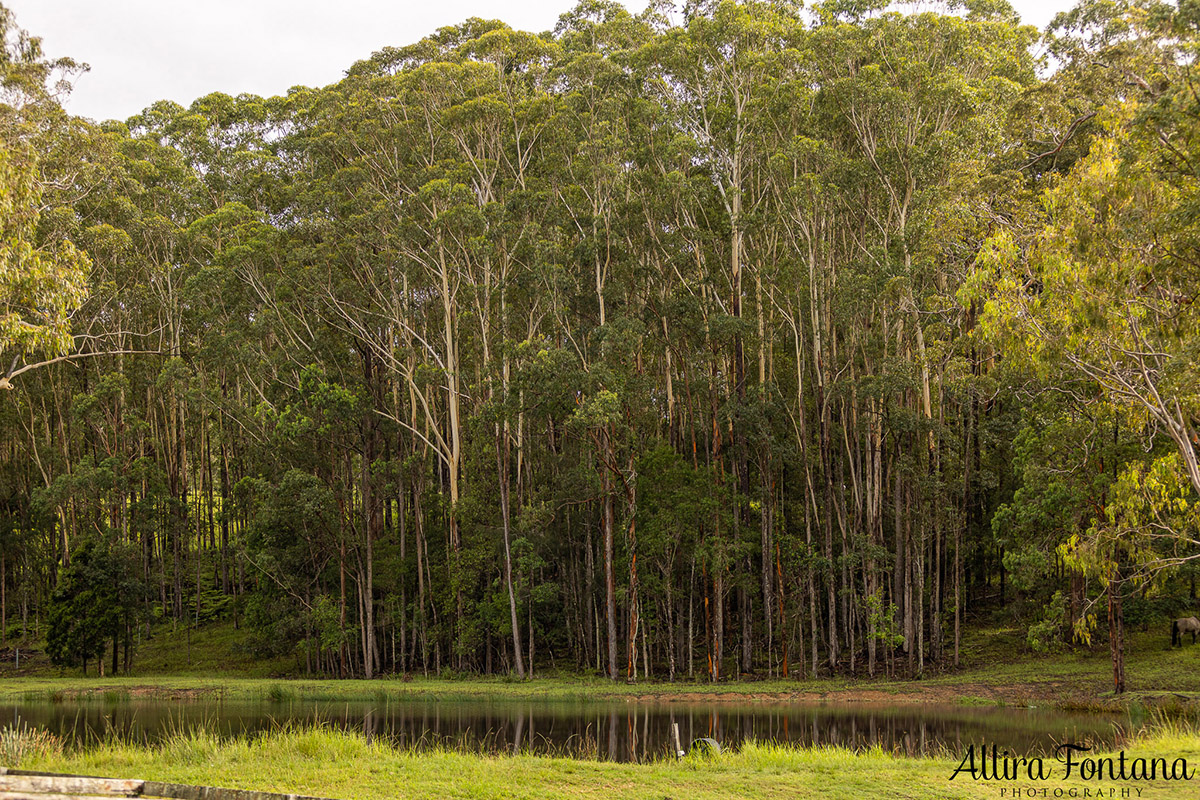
(1047, 635)
(289, 546)
(97, 599)
(39, 286)
(42, 280)
(770, 330)
(884, 621)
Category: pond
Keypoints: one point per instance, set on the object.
(611, 730)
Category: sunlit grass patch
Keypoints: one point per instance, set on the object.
(22, 744)
(330, 762)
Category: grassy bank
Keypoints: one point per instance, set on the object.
(390, 688)
(996, 669)
(329, 763)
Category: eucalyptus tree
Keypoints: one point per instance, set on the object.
(41, 281)
(920, 102)
(716, 74)
(1111, 262)
(436, 148)
(592, 176)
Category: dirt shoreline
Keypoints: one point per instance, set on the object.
(1064, 692)
(917, 694)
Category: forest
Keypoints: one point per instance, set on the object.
(721, 339)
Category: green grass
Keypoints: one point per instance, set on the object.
(999, 655)
(43, 688)
(171, 649)
(996, 669)
(214, 649)
(331, 763)
(115, 696)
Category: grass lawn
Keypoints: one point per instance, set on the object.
(328, 763)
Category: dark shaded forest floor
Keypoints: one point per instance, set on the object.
(996, 668)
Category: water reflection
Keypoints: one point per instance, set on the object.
(620, 731)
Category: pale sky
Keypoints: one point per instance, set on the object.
(141, 51)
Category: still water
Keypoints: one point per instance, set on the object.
(612, 730)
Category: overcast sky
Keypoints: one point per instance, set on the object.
(141, 51)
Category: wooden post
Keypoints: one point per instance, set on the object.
(675, 740)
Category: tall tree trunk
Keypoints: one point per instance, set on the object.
(768, 498)
(610, 579)
(502, 467)
(1116, 629)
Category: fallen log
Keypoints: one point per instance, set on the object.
(17, 784)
